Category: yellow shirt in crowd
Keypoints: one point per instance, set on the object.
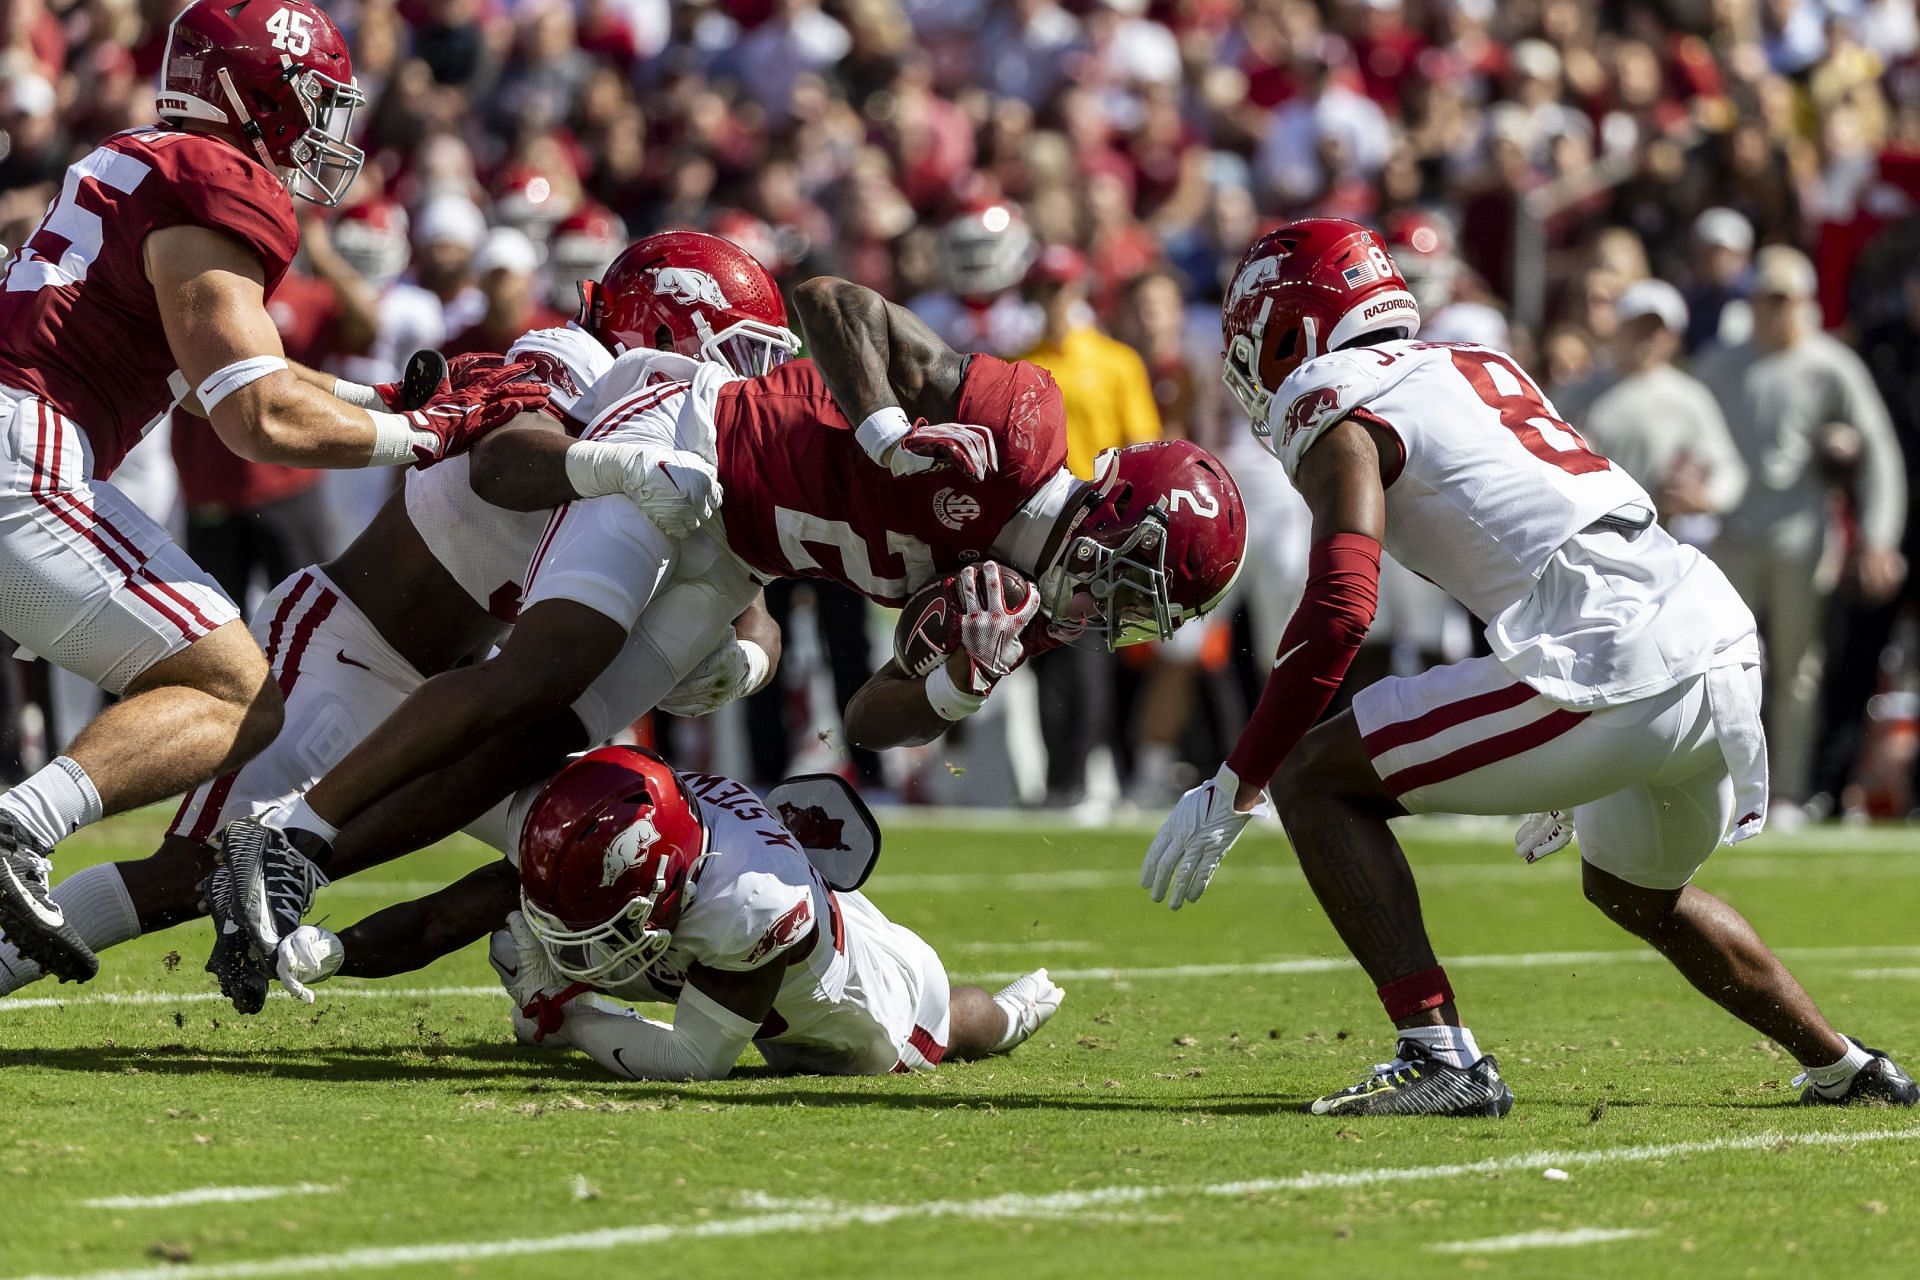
(1109, 398)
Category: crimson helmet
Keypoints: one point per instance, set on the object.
(607, 854)
(690, 292)
(275, 79)
(1304, 289)
(1422, 247)
(1161, 536)
(986, 250)
(372, 237)
(584, 245)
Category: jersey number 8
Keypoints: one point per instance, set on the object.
(1524, 411)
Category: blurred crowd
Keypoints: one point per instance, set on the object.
(1695, 219)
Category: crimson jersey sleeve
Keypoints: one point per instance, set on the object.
(804, 500)
(210, 184)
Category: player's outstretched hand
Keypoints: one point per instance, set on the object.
(990, 627)
(539, 993)
(1195, 837)
(460, 416)
(306, 958)
(1543, 833)
(930, 446)
(734, 668)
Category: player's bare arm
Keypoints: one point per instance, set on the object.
(210, 290)
(891, 376)
(891, 710)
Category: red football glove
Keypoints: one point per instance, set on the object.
(930, 446)
(459, 417)
(990, 628)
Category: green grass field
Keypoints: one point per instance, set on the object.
(1153, 1129)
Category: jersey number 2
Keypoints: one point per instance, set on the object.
(1499, 382)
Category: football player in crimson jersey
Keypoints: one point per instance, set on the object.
(883, 507)
(145, 285)
(433, 583)
(685, 889)
(1621, 692)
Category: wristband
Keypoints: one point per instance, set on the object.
(396, 439)
(947, 701)
(883, 429)
(357, 393)
(222, 383)
(759, 666)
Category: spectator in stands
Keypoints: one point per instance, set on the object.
(1109, 403)
(508, 268)
(1789, 394)
(1663, 426)
(1716, 300)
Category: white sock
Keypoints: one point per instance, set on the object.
(54, 803)
(1028, 1002)
(98, 906)
(1454, 1046)
(301, 817)
(1836, 1076)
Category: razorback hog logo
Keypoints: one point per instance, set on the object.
(784, 932)
(813, 828)
(687, 286)
(1256, 273)
(1309, 409)
(625, 851)
(552, 370)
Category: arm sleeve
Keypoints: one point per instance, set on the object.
(1343, 587)
(703, 1042)
(1883, 477)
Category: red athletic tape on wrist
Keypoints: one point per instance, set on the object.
(1416, 993)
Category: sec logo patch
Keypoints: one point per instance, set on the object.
(954, 509)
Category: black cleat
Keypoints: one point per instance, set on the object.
(242, 974)
(1881, 1083)
(31, 919)
(1415, 1084)
(272, 886)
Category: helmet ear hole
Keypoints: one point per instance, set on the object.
(663, 338)
(1280, 356)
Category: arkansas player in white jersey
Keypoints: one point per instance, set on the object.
(433, 583)
(1622, 688)
(655, 887)
(145, 285)
(885, 507)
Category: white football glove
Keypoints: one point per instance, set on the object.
(929, 446)
(1194, 838)
(527, 972)
(677, 488)
(1543, 833)
(306, 958)
(734, 669)
(990, 628)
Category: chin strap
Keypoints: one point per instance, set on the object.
(248, 125)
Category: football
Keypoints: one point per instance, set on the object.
(929, 626)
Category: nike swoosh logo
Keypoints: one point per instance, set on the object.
(1289, 653)
(623, 1063)
(52, 919)
(342, 656)
(511, 973)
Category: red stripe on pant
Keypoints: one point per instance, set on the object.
(1440, 719)
(540, 548)
(1478, 755)
(66, 506)
(289, 675)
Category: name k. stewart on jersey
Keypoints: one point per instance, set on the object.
(740, 801)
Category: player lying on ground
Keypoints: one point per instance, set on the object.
(145, 285)
(1153, 541)
(656, 887)
(432, 584)
(1622, 687)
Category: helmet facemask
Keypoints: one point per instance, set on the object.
(748, 347)
(609, 954)
(324, 162)
(1126, 580)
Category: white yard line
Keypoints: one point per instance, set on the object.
(1147, 973)
(1015, 1205)
(1541, 1240)
(208, 1195)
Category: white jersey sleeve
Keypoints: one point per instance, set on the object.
(755, 896)
(569, 360)
(1314, 398)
